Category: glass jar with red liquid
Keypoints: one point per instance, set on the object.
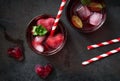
(38, 35)
(86, 15)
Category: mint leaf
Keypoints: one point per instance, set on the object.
(39, 30)
(85, 2)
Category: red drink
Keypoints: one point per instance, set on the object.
(86, 15)
(45, 44)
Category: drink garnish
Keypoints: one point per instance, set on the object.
(85, 2)
(77, 21)
(39, 30)
(95, 6)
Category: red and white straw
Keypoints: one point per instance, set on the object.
(101, 56)
(58, 17)
(103, 43)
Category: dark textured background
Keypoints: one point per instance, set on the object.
(14, 16)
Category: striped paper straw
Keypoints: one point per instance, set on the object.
(101, 56)
(103, 43)
(58, 17)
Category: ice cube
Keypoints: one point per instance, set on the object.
(83, 12)
(95, 19)
(39, 39)
(39, 48)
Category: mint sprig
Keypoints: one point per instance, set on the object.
(39, 30)
(85, 2)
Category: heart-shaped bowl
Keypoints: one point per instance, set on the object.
(47, 50)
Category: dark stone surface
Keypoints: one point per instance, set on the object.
(15, 15)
